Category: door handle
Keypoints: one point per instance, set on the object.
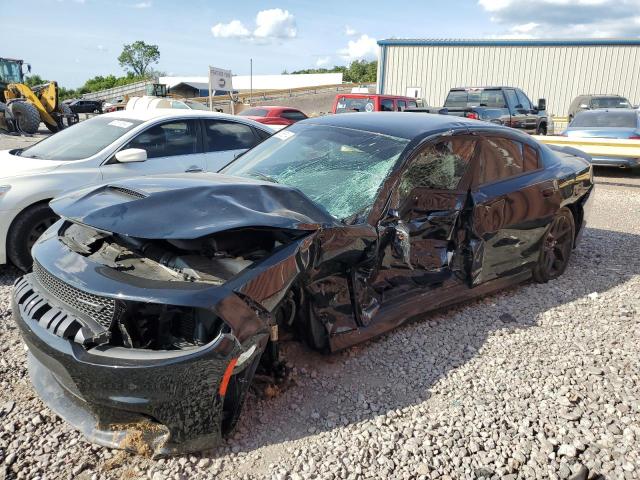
(193, 169)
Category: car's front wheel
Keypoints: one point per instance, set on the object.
(25, 231)
(556, 247)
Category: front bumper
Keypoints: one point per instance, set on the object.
(159, 402)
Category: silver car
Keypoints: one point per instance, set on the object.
(607, 123)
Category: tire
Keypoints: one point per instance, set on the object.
(66, 110)
(52, 128)
(556, 247)
(25, 230)
(542, 129)
(26, 116)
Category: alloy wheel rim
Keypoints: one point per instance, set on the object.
(557, 246)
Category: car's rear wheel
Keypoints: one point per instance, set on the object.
(556, 247)
(25, 231)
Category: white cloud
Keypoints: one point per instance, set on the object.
(565, 18)
(275, 23)
(364, 47)
(146, 4)
(349, 32)
(272, 24)
(525, 27)
(233, 29)
(323, 61)
(101, 48)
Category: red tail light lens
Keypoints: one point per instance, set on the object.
(472, 115)
(634, 137)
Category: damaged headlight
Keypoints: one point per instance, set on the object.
(166, 327)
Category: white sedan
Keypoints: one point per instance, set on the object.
(104, 149)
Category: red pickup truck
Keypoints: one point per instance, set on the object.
(370, 102)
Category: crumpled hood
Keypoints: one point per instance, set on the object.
(15, 166)
(190, 206)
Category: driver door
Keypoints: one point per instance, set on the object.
(422, 235)
(172, 147)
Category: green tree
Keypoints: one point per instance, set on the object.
(359, 71)
(136, 57)
(33, 80)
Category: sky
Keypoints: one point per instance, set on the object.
(78, 39)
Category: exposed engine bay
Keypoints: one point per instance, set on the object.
(211, 260)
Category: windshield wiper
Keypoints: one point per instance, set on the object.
(262, 176)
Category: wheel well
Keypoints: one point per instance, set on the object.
(578, 216)
(47, 200)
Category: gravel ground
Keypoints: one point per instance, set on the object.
(540, 381)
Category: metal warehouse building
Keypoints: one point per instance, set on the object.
(557, 70)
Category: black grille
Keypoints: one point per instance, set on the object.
(100, 309)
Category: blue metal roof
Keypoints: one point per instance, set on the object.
(558, 42)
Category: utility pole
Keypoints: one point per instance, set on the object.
(250, 80)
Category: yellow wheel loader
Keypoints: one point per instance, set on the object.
(22, 108)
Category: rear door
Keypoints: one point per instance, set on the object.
(172, 147)
(224, 140)
(514, 199)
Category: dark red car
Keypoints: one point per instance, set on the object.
(274, 115)
(370, 102)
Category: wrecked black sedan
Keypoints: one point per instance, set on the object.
(153, 301)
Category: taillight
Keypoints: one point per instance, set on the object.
(472, 115)
(634, 137)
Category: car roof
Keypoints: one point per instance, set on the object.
(170, 113)
(600, 95)
(407, 125)
(488, 87)
(371, 95)
(274, 107)
(616, 111)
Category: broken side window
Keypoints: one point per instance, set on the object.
(439, 166)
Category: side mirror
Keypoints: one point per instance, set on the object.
(542, 104)
(131, 155)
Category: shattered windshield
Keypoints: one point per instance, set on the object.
(339, 168)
